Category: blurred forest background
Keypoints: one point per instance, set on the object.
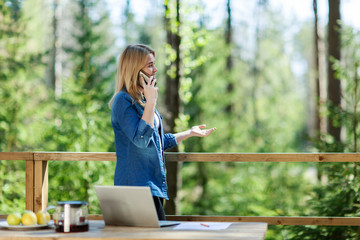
(266, 80)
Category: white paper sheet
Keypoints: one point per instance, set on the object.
(202, 226)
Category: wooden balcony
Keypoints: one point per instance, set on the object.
(37, 179)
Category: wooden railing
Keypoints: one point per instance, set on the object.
(37, 179)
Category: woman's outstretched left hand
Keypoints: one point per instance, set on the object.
(198, 131)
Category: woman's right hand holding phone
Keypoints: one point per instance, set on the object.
(150, 91)
(151, 94)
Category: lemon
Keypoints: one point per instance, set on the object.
(29, 218)
(14, 219)
(42, 217)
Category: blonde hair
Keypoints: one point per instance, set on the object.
(132, 59)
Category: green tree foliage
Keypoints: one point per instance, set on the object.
(18, 76)
(267, 114)
(337, 191)
(265, 118)
(82, 122)
(268, 122)
(21, 93)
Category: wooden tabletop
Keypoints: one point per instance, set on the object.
(98, 230)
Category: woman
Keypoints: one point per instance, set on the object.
(139, 138)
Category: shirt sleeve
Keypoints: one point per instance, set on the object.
(126, 118)
(169, 141)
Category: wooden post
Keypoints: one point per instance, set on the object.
(29, 184)
(40, 185)
(29, 173)
(36, 192)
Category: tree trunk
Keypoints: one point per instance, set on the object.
(334, 45)
(128, 23)
(229, 60)
(54, 65)
(317, 69)
(255, 69)
(50, 70)
(172, 103)
(320, 122)
(59, 52)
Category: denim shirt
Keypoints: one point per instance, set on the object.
(139, 159)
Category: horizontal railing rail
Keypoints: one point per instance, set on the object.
(199, 157)
(36, 179)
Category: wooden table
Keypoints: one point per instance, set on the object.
(98, 230)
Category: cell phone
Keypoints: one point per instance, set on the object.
(146, 77)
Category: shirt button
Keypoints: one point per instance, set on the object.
(142, 136)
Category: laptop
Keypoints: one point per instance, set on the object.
(129, 206)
